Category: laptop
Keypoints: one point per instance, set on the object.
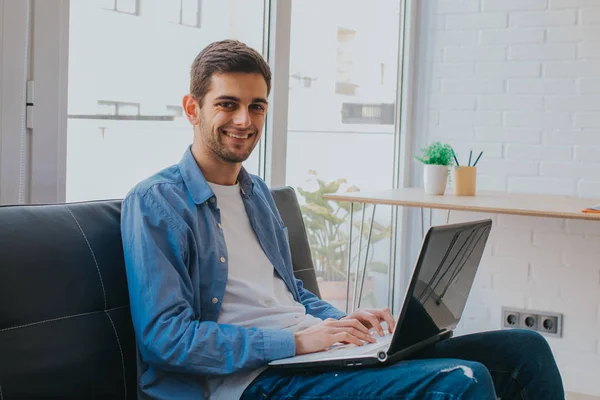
(433, 303)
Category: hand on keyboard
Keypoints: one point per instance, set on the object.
(322, 335)
(375, 319)
(372, 332)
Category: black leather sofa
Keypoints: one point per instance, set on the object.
(65, 327)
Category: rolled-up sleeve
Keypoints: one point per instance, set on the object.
(316, 307)
(169, 333)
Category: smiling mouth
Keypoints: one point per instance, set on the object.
(238, 135)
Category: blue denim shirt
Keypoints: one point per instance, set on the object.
(176, 262)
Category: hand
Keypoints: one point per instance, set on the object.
(322, 335)
(372, 318)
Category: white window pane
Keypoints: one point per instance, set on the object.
(190, 12)
(141, 60)
(107, 4)
(175, 111)
(172, 11)
(128, 109)
(107, 108)
(341, 130)
(128, 6)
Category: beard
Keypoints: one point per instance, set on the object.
(215, 142)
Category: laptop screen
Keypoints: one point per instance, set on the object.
(442, 280)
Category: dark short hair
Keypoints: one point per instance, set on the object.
(226, 56)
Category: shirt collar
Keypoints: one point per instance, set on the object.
(197, 184)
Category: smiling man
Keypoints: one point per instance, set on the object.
(213, 295)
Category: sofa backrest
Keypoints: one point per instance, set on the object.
(65, 325)
(289, 209)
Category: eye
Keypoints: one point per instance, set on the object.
(228, 105)
(257, 107)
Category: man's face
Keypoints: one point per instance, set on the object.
(232, 115)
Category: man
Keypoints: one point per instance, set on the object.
(213, 295)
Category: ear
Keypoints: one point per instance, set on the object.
(191, 109)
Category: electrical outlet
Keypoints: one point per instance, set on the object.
(528, 321)
(510, 318)
(547, 323)
(550, 324)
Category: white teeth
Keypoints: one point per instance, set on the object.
(237, 136)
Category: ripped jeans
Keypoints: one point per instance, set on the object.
(510, 364)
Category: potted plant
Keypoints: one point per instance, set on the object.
(437, 158)
(326, 227)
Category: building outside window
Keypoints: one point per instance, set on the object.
(125, 86)
(346, 52)
(123, 6)
(188, 12)
(175, 111)
(118, 108)
(360, 113)
(341, 132)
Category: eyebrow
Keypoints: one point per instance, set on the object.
(236, 99)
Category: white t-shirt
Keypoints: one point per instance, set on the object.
(255, 295)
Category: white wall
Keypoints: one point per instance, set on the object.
(520, 79)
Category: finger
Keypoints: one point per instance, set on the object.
(356, 333)
(346, 337)
(355, 323)
(374, 321)
(387, 316)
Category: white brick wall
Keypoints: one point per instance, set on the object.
(520, 80)
(543, 18)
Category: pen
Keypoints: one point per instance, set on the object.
(475, 163)
(455, 159)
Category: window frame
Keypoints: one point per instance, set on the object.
(14, 67)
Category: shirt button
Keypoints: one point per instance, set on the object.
(220, 226)
(215, 300)
(222, 259)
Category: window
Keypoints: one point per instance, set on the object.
(333, 142)
(336, 145)
(175, 111)
(346, 41)
(298, 80)
(379, 114)
(123, 6)
(118, 108)
(188, 12)
(124, 115)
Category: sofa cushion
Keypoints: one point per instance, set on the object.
(65, 326)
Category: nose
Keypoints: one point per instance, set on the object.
(241, 118)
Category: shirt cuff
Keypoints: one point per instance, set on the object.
(278, 344)
(336, 314)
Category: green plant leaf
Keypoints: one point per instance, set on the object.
(437, 154)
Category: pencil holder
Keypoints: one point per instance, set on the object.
(465, 181)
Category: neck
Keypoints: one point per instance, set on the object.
(214, 169)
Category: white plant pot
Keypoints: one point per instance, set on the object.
(435, 179)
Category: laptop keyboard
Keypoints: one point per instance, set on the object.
(342, 350)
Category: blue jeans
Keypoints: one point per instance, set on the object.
(510, 364)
